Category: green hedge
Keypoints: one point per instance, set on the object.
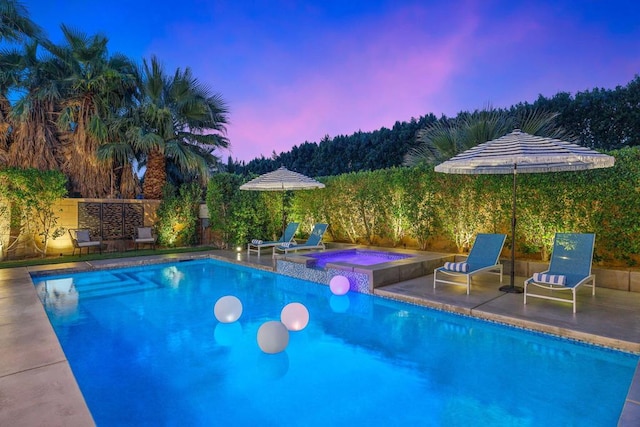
(417, 205)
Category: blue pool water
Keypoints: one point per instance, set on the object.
(147, 350)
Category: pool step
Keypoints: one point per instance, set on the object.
(120, 283)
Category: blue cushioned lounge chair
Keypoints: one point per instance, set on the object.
(313, 242)
(483, 258)
(570, 267)
(287, 237)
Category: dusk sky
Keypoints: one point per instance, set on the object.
(295, 71)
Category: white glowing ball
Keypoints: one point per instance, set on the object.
(295, 316)
(273, 337)
(228, 309)
(339, 285)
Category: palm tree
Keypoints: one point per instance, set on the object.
(15, 24)
(445, 138)
(15, 27)
(33, 138)
(121, 153)
(97, 88)
(182, 122)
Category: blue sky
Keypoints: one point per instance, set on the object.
(295, 71)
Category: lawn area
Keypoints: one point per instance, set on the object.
(97, 256)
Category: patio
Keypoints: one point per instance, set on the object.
(38, 387)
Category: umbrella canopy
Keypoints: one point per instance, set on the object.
(528, 153)
(282, 180)
(524, 153)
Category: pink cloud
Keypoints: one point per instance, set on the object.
(301, 82)
(398, 73)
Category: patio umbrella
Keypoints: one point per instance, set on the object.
(520, 152)
(283, 180)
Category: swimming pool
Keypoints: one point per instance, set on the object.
(146, 350)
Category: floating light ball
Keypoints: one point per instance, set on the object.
(273, 337)
(339, 285)
(295, 316)
(227, 309)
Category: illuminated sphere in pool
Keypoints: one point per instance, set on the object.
(295, 316)
(273, 337)
(339, 285)
(228, 309)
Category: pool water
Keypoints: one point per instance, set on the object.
(147, 350)
(356, 256)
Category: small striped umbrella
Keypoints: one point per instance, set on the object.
(520, 152)
(283, 180)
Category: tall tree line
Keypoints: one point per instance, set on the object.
(603, 119)
(98, 116)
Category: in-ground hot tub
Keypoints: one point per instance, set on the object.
(366, 269)
(359, 257)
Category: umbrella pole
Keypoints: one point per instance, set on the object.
(511, 288)
(284, 215)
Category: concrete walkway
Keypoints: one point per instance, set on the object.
(37, 386)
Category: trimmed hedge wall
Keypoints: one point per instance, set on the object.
(418, 207)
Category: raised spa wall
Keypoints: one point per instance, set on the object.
(363, 279)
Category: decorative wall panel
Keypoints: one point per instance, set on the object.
(111, 221)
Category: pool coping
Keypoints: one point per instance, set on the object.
(49, 385)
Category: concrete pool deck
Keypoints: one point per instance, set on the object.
(37, 386)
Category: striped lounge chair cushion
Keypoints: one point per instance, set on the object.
(287, 245)
(460, 267)
(551, 279)
(256, 242)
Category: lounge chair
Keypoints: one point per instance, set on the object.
(287, 237)
(82, 239)
(570, 267)
(483, 258)
(313, 242)
(144, 237)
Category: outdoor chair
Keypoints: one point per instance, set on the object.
(483, 258)
(144, 237)
(569, 268)
(81, 238)
(313, 242)
(255, 245)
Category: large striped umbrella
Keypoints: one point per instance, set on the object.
(520, 152)
(283, 180)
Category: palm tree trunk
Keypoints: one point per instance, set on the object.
(155, 176)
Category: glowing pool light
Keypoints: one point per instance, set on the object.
(227, 309)
(339, 285)
(295, 316)
(273, 337)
